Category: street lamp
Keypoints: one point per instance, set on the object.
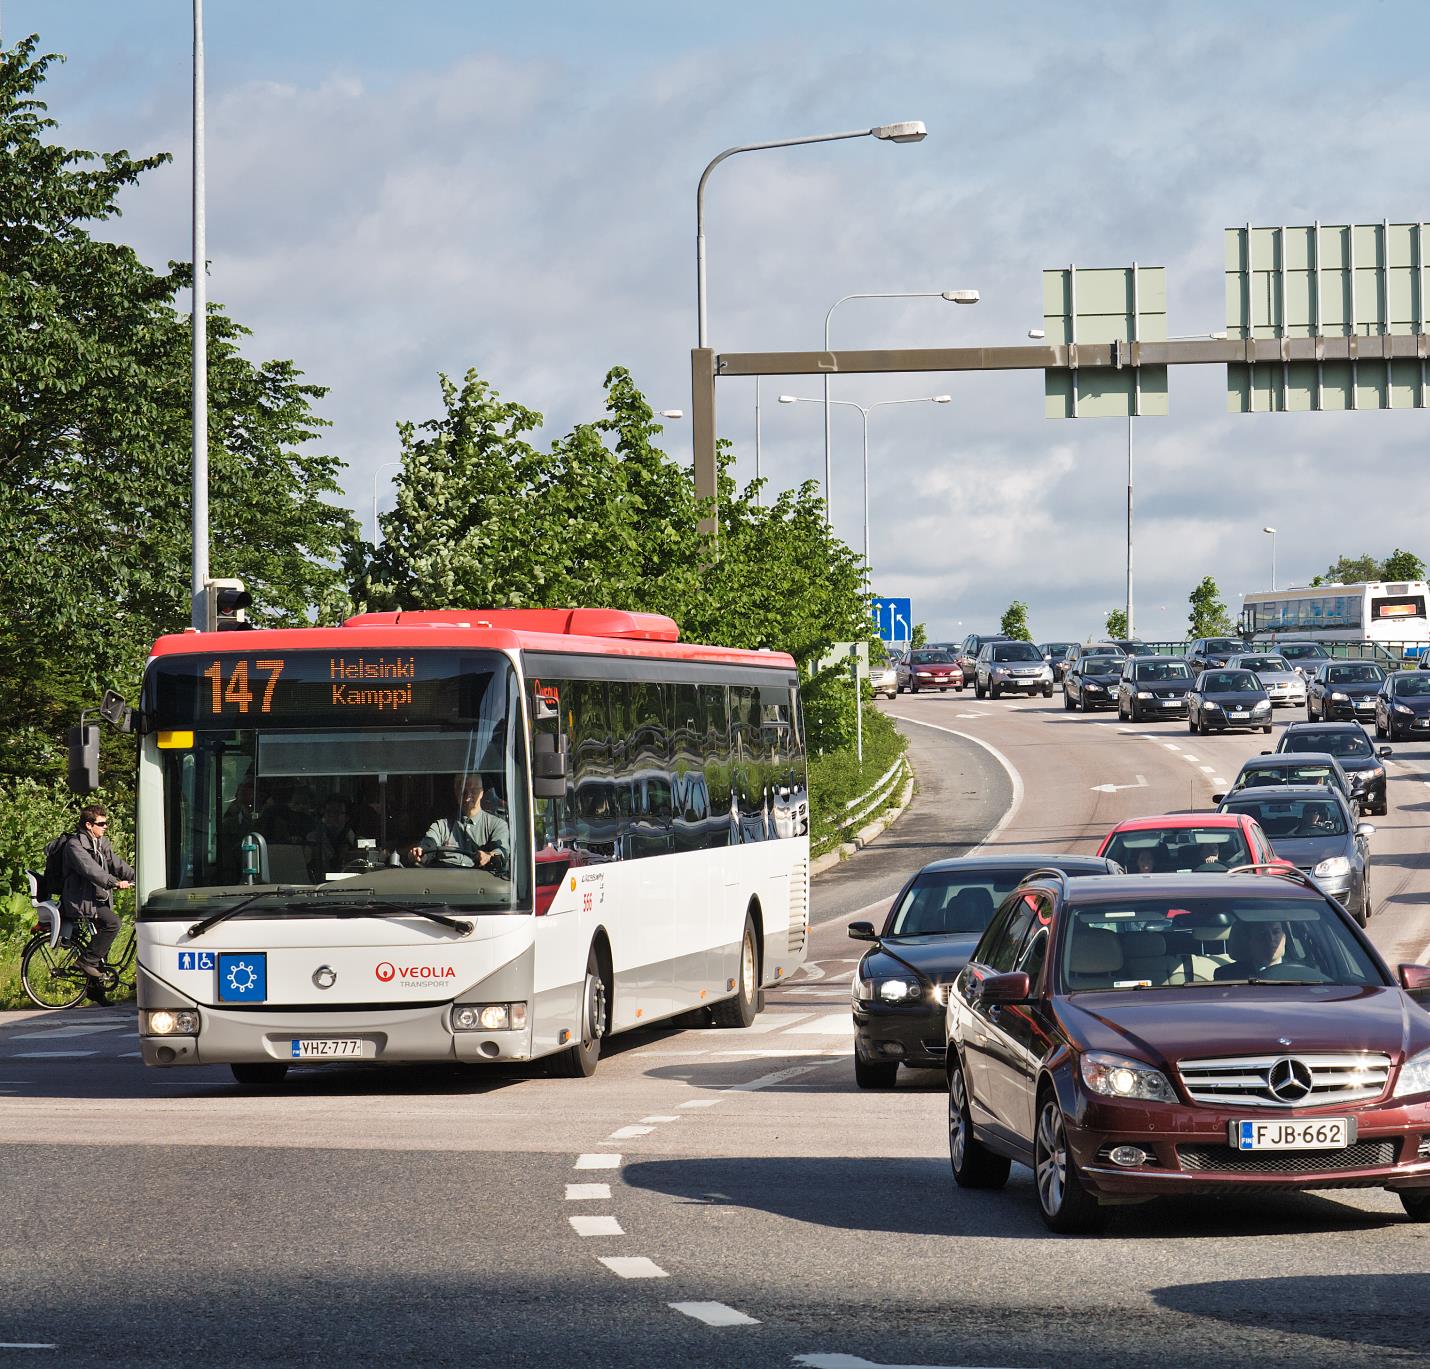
(865, 410)
(385, 465)
(1272, 531)
(952, 296)
(672, 413)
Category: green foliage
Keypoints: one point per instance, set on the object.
(920, 638)
(1015, 622)
(1117, 624)
(1208, 617)
(1349, 570)
(836, 777)
(1402, 565)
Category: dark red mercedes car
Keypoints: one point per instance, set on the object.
(1129, 1037)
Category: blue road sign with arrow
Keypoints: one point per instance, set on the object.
(894, 619)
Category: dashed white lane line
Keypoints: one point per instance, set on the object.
(1171, 746)
(1219, 781)
(80, 1029)
(833, 1024)
(597, 1162)
(27, 1345)
(713, 1313)
(629, 1133)
(52, 1055)
(658, 1119)
(633, 1267)
(700, 1103)
(596, 1226)
(588, 1193)
(772, 1022)
(1210, 769)
(766, 1081)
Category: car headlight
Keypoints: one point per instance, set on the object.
(1403, 708)
(171, 1022)
(1414, 1076)
(489, 1017)
(1091, 687)
(1000, 670)
(1376, 772)
(1117, 1077)
(1144, 693)
(1339, 698)
(1331, 867)
(1262, 706)
(897, 990)
(1212, 705)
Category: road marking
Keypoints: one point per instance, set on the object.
(1425, 955)
(597, 1162)
(588, 1193)
(52, 1055)
(595, 1226)
(633, 1267)
(700, 1103)
(84, 1029)
(778, 1055)
(834, 1024)
(629, 1133)
(809, 970)
(773, 1022)
(1210, 769)
(766, 1081)
(1171, 746)
(1014, 777)
(1219, 781)
(854, 1362)
(713, 1313)
(659, 1118)
(26, 1345)
(1113, 788)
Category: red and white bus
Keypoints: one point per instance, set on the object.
(480, 836)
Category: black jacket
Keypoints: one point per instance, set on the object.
(91, 872)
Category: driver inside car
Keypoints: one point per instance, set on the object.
(473, 837)
(1255, 947)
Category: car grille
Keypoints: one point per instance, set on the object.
(1225, 1160)
(943, 991)
(1243, 1080)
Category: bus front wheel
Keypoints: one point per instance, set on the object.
(740, 1011)
(578, 1061)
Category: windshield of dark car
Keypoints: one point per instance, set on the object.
(1178, 850)
(1291, 817)
(1263, 773)
(1304, 651)
(1056, 648)
(1355, 672)
(1230, 682)
(1412, 685)
(1101, 665)
(1222, 644)
(1336, 744)
(1267, 663)
(932, 658)
(1016, 651)
(1163, 670)
(1192, 939)
(951, 902)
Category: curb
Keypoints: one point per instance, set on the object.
(868, 832)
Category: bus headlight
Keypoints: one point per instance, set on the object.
(489, 1017)
(171, 1022)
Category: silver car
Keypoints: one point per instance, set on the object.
(1285, 685)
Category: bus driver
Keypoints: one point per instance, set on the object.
(473, 837)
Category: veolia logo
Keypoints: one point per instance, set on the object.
(386, 971)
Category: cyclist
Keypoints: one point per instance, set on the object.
(92, 873)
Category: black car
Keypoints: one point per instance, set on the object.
(966, 653)
(1402, 708)
(1056, 655)
(901, 985)
(1091, 682)
(1343, 689)
(1303, 657)
(1228, 698)
(1315, 828)
(1153, 687)
(1348, 743)
(1281, 768)
(1132, 646)
(1207, 652)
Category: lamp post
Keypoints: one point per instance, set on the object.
(865, 410)
(1272, 531)
(199, 495)
(952, 296)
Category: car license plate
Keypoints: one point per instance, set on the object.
(1311, 1133)
(332, 1048)
(1171, 703)
(1238, 714)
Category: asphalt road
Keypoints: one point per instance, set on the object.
(712, 1197)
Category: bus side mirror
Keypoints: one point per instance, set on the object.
(549, 768)
(116, 712)
(83, 774)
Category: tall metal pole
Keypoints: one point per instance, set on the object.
(867, 566)
(1130, 420)
(1273, 560)
(200, 501)
(757, 439)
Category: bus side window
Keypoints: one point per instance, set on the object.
(715, 757)
(751, 769)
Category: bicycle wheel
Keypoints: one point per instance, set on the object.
(51, 978)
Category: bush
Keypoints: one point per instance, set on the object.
(836, 777)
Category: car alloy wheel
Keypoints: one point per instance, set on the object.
(974, 1165)
(1066, 1205)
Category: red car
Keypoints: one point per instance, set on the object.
(933, 669)
(1186, 843)
(1129, 1037)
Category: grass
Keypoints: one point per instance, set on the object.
(837, 777)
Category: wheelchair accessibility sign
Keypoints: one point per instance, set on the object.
(242, 977)
(197, 960)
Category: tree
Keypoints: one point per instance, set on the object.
(1402, 565)
(1209, 617)
(920, 637)
(1351, 570)
(1015, 622)
(1117, 624)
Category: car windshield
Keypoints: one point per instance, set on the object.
(1292, 817)
(952, 902)
(1055, 648)
(1355, 672)
(1220, 644)
(1302, 651)
(1267, 663)
(1163, 670)
(1230, 682)
(1337, 744)
(1411, 685)
(1188, 939)
(932, 658)
(1178, 850)
(1101, 665)
(1016, 651)
(1262, 773)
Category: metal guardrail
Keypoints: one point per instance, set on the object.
(859, 808)
(1390, 653)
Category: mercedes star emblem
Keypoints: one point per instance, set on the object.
(1289, 1080)
(325, 976)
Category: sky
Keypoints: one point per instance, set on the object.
(401, 191)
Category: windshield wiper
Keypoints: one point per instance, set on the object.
(1255, 980)
(384, 909)
(283, 891)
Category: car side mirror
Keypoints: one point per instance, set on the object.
(1217, 798)
(862, 931)
(1006, 988)
(1415, 980)
(1268, 753)
(1384, 753)
(1365, 829)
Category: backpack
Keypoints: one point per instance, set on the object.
(52, 882)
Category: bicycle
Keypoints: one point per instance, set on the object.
(50, 971)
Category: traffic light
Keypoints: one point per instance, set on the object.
(224, 605)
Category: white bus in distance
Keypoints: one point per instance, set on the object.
(1373, 611)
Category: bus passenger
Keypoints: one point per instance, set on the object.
(473, 837)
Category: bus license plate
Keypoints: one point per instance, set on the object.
(1315, 1133)
(332, 1048)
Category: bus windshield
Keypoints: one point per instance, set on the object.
(319, 769)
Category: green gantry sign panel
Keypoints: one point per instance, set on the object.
(1363, 281)
(1117, 304)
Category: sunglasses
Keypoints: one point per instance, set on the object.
(99, 822)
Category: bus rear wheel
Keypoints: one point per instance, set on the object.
(740, 1011)
(259, 1075)
(578, 1061)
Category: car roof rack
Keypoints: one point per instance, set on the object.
(1294, 873)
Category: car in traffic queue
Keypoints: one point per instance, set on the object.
(1302, 657)
(1402, 708)
(1188, 843)
(1011, 665)
(1343, 689)
(901, 984)
(1153, 687)
(1207, 653)
(1091, 682)
(1222, 699)
(1350, 745)
(1276, 768)
(1315, 828)
(1130, 1038)
(967, 652)
(1285, 686)
(1055, 655)
(930, 668)
(1133, 646)
(884, 679)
